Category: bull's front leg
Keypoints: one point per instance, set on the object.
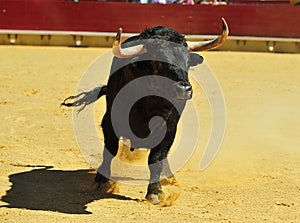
(158, 164)
(110, 151)
(155, 164)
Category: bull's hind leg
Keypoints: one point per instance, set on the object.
(110, 151)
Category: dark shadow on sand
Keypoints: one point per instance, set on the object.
(55, 190)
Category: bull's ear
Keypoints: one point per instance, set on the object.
(195, 59)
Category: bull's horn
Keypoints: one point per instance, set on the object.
(210, 44)
(128, 52)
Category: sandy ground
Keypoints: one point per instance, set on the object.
(254, 178)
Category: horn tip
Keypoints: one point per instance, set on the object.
(118, 37)
(224, 21)
(225, 26)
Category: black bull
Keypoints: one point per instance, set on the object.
(155, 65)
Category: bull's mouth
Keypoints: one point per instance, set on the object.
(183, 92)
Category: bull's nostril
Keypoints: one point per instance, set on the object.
(188, 87)
(184, 86)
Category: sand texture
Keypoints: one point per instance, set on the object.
(254, 178)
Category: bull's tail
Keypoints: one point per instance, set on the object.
(85, 98)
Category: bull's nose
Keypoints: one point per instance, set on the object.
(184, 91)
(188, 88)
(189, 93)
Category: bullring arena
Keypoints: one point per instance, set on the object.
(254, 178)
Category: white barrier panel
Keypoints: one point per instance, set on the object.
(105, 39)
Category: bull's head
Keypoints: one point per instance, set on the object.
(130, 52)
(172, 57)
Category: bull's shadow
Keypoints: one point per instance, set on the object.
(54, 190)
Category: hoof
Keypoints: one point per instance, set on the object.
(154, 193)
(109, 187)
(153, 198)
(105, 185)
(163, 199)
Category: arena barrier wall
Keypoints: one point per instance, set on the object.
(258, 27)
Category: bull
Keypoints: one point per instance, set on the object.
(155, 52)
